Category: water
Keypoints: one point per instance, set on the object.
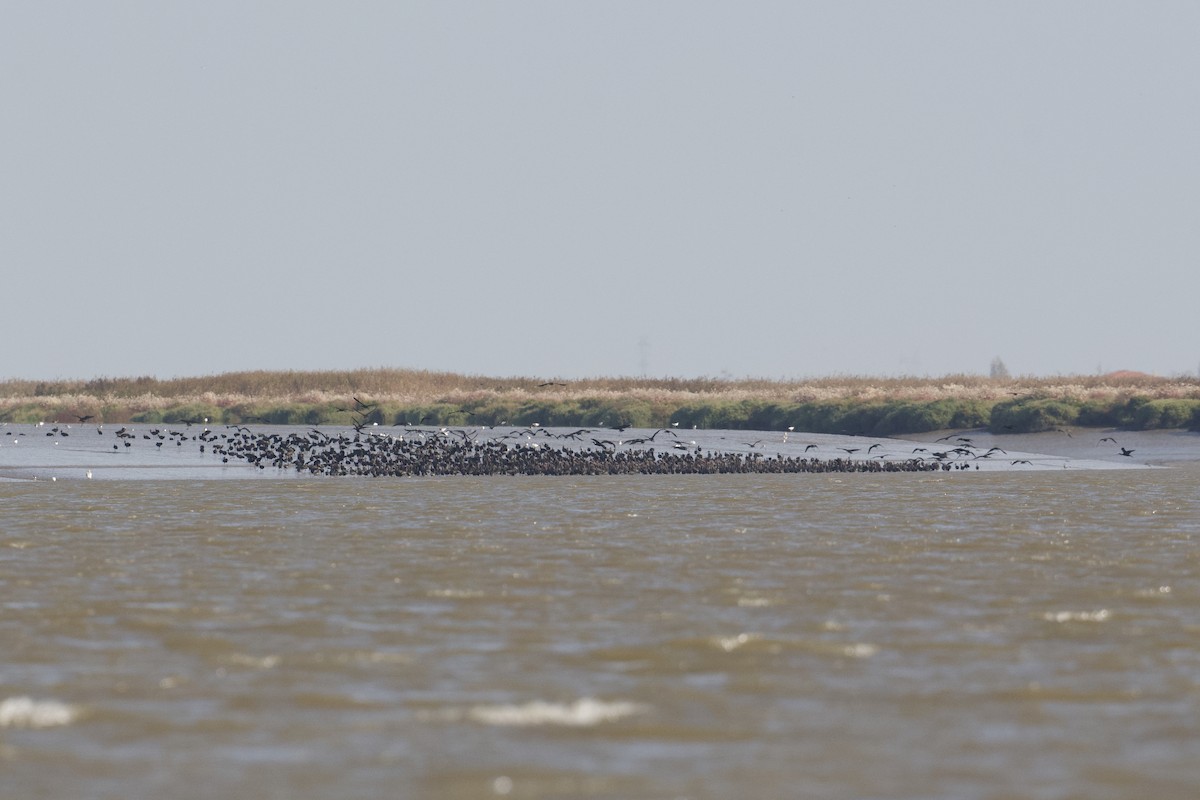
(997, 634)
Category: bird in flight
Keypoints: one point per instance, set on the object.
(1126, 452)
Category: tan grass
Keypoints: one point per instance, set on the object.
(417, 387)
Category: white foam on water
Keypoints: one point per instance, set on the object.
(860, 650)
(1077, 616)
(454, 593)
(254, 662)
(731, 643)
(584, 712)
(25, 712)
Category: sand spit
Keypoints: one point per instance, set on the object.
(145, 452)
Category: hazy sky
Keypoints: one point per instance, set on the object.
(571, 189)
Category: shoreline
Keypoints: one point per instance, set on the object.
(72, 453)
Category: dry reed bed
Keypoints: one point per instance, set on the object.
(415, 387)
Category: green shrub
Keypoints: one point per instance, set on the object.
(916, 418)
(1101, 414)
(970, 413)
(1032, 415)
(1167, 413)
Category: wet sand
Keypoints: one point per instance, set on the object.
(1154, 448)
(158, 451)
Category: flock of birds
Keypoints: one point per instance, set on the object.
(367, 450)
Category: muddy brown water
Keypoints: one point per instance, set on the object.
(1000, 634)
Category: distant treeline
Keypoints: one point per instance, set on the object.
(388, 398)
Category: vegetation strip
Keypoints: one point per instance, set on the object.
(841, 405)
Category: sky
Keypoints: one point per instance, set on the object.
(570, 189)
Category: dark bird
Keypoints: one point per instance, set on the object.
(1126, 452)
(850, 449)
(550, 383)
(1022, 461)
(872, 447)
(810, 447)
(1108, 439)
(85, 418)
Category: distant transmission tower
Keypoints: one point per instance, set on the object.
(643, 349)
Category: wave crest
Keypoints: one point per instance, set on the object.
(25, 712)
